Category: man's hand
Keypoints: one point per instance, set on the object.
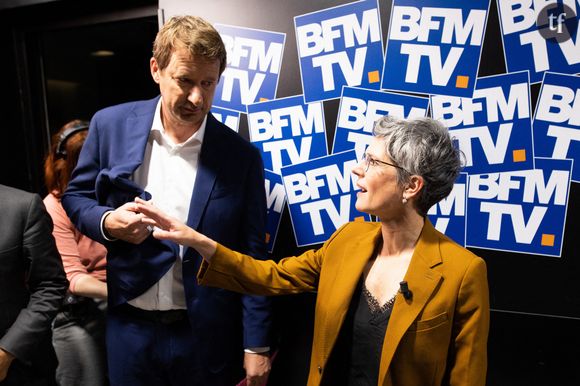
(257, 368)
(124, 223)
(5, 361)
(170, 228)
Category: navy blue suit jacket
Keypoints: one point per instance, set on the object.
(228, 204)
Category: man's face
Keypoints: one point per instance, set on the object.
(187, 86)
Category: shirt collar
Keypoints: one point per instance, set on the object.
(157, 126)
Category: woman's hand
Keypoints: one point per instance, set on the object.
(170, 228)
(166, 227)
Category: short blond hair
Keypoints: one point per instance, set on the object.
(195, 34)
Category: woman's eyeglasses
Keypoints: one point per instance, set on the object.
(370, 161)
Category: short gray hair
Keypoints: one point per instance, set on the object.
(422, 147)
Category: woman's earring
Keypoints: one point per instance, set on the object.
(404, 200)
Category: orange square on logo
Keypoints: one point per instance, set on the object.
(373, 76)
(359, 218)
(267, 237)
(263, 99)
(548, 240)
(519, 155)
(462, 81)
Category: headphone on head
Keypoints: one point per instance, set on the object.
(65, 135)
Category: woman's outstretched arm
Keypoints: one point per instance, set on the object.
(233, 270)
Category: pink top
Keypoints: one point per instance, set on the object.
(80, 254)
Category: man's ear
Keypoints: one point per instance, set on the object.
(154, 67)
(413, 186)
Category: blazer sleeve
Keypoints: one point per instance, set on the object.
(46, 282)
(242, 273)
(80, 198)
(237, 272)
(256, 317)
(468, 351)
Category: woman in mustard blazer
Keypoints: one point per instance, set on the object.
(398, 303)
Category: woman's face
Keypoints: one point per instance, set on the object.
(380, 194)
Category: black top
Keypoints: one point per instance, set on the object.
(356, 357)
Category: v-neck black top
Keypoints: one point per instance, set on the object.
(356, 356)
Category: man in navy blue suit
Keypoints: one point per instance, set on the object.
(162, 328)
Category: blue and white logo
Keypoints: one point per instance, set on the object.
(360, 108)
(275, 200)
(557, 120)
(340, 46)
(321, 196)
(287, 131)
(434, 46)
(521, 211)
(254, 60)
(448, 215)
(494, 128)
(230, 118)
(525, 24)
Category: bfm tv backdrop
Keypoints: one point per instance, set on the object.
(306, 80)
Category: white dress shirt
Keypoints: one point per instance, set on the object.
(168, 172)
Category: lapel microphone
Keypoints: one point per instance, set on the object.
(404, 289)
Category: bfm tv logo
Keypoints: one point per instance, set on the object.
(493, 129)
(434, 46)
(520, 211)
(360, 108)
(287, 131)
(340, 46)
(321, 196)
(254, 60)
(448, 215)
(557, 120)
(230, 118)
(540, 36)
(275, 200)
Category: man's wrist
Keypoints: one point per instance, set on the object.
(104, 232)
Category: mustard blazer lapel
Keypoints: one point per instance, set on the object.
(423, 281)
(356, 254)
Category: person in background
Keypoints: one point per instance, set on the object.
(163, 329)
(32, 287)
(398, 304)
(79, 327)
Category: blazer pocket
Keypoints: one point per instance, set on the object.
(426, 324)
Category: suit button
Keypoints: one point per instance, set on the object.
(319, 369)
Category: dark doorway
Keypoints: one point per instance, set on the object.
(66, 60)
(90, 67)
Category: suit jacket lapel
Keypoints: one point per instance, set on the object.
(356, 255)
(138, 127)
(353, 260)
(423, 281)
(207, 171)
(114, 186)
